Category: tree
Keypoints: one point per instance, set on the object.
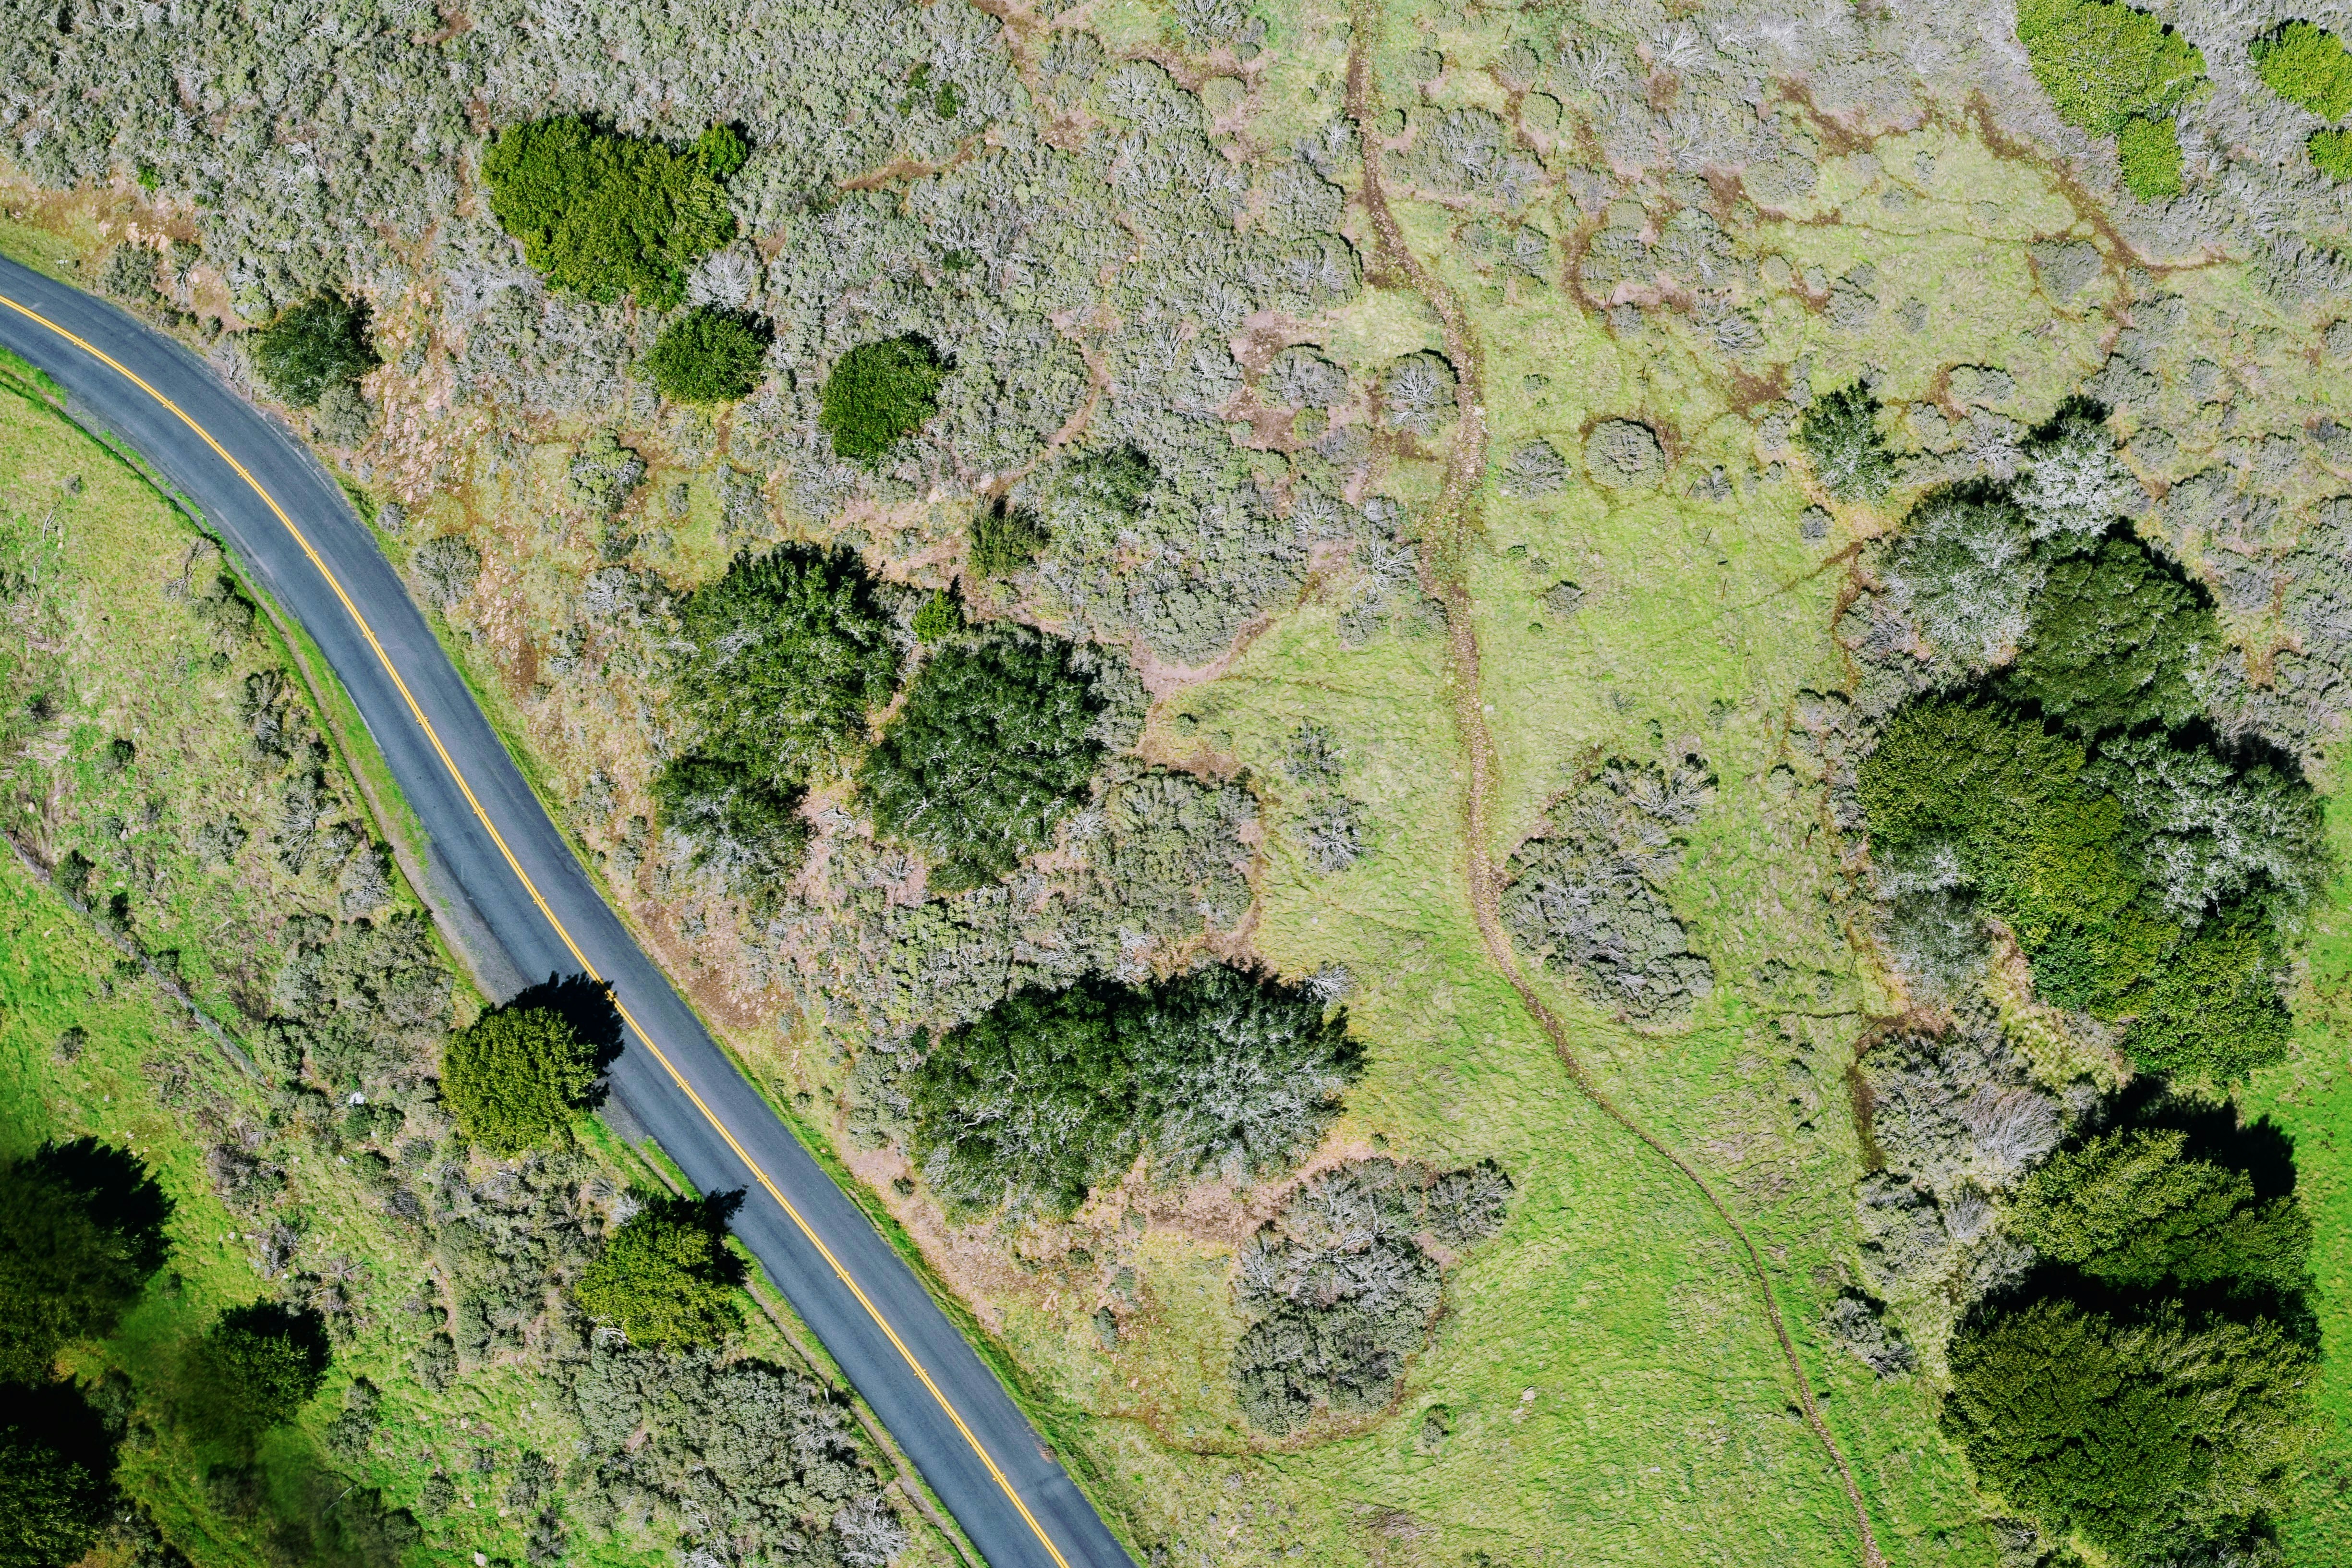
(791, 651)
(666, 1278)
(82, 1229)
(1238, 1074)
(515, 1077)
(257, 1367)
(319, 343)
(1005, 539)
(2103, 63)
(994, 745)
(1840, 432)
(2134, 1208)
(2137, 1432)
(1030, 1104)
(739, 822)
(878, 393)
(709, 356)
(2114, 639)
(57, 1466)
(2306, 65)
(605, 215)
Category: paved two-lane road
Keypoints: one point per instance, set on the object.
(292, 529)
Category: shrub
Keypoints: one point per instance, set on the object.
(2114, 640)
(81, 1229)
(2308, 66)
(2148, 154)
(2102, 63)
(994, 745)
(709, 356)
(2135, 1432)
(666, 1280)
(1964, 570)
(741, 825)
(2331, 153)
(2132, 1208)
(257, 1367)
(515, 1077)
(319, 343)
(1005, 539)
(1839, 433)
(878, 393)
(939, 617)
(605, 215)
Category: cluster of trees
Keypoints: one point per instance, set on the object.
(2152, 870)
(83, 1229)
(790, 656)
(1215, 1073)
(2148, 1390)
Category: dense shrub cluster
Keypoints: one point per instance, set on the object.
(995, 743)
(1216, 1074)
(1587, 898)
(607, 215)
(1840, 432)
(313, 347)
(1342, 1290)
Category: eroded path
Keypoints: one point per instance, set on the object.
(1446, 534)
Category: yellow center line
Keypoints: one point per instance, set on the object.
(921, 1371)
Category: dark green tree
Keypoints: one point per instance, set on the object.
(1840, 432)
(515, 1077)
(709, 356)
(56, 1464)
(321, 342)
(1030, 1104)
(2137, 1432)
(605, 215)
(994, 743)
(2115, 637)
(256, 1368)
(82, 1229)
(666, 1277)
(2134, 1208)
(879, 394)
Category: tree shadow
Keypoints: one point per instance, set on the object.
(586, 1005)
(116, 1187)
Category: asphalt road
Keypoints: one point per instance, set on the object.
(292, 529)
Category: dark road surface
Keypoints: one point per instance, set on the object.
(511, 864)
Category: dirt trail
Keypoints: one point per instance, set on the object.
(1445, 536)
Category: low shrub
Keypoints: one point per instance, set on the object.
(2306, 65)
(994, 745)
(607, 215)
(515, 1077)
(666, 1278)
(319, 343)
(2331, 153)
(709, 356)
(879, 394)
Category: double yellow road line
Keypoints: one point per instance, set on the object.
(921, 1372)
